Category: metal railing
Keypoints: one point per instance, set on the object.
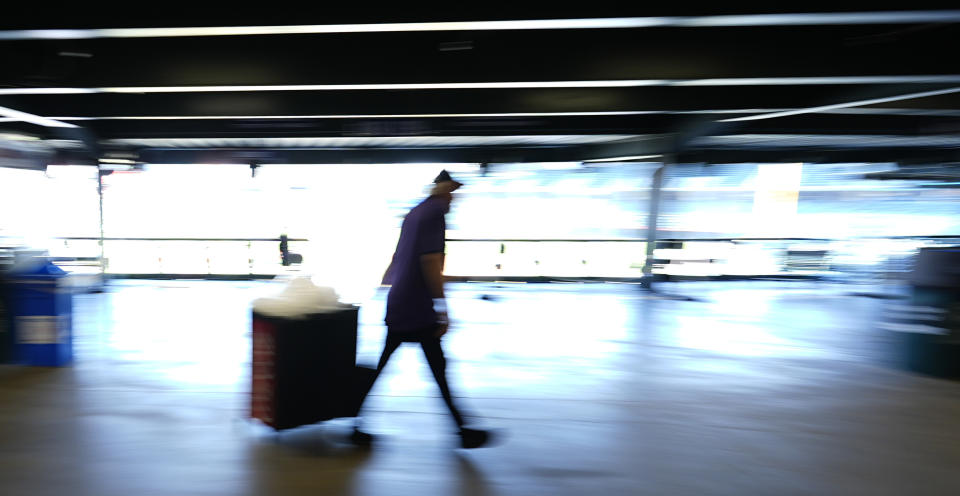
(265, 261)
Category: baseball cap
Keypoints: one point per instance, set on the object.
(445, 177)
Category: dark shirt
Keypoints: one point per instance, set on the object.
(409, 302)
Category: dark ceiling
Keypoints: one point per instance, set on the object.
(683, 85)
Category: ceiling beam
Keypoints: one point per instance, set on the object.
(874, 155)
(743, 20)
(451, 102)
(518, 155)
(360, 156)
(844, 105)
(741, 56)
(17, 115)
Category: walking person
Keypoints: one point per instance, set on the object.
(416, 304)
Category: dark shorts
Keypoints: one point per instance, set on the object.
(412, 336)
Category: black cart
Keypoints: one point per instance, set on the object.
(304, 369)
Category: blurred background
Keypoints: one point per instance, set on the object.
(555, 221)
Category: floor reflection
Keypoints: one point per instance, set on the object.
(751, 388)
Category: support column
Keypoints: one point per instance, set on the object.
(100, 174)
(654, 214)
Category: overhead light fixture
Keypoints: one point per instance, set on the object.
(611, 83)
(411, 116)
(622, 159)
(337, 87)
(373, 141)
(822, 80)
(624, 83)
(379, 116)
(837, 106)
(117, 161)
(18, 137)
(46, 91)
(774, 141)
(33, 119)
(841, 18)
(853, 110)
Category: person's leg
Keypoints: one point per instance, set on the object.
(391, 344)
(438, 365)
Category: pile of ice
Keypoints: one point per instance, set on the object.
(300, 298)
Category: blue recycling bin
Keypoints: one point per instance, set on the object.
(42, 311)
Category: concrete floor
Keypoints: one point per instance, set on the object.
(759, 388)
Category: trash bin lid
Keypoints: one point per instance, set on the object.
(45, 269)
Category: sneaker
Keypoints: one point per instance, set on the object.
(473, 438)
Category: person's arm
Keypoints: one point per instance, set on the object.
(432, 266)
(431, 246)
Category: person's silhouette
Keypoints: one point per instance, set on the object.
(416, 306)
